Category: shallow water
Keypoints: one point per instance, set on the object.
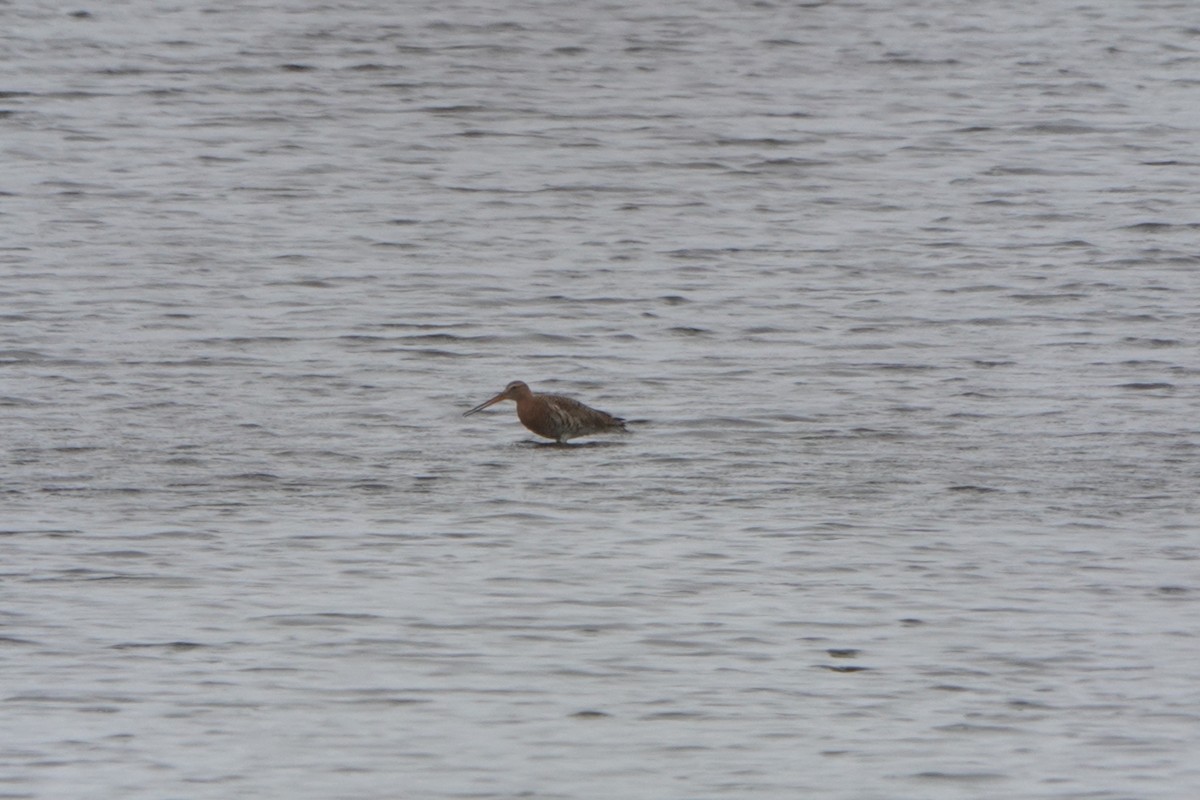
(901, 300)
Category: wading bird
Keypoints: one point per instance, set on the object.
(554, 416)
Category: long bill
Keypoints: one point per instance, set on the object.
(485, 404)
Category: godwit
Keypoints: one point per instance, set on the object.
(554, 416)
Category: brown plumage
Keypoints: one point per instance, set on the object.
(554, 416)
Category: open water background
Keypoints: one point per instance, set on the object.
(903, 299)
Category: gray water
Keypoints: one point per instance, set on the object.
(901, 299)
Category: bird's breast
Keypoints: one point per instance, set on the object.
(538, 417)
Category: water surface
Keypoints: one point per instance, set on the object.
(900, 299)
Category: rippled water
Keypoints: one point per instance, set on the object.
(901, 300)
